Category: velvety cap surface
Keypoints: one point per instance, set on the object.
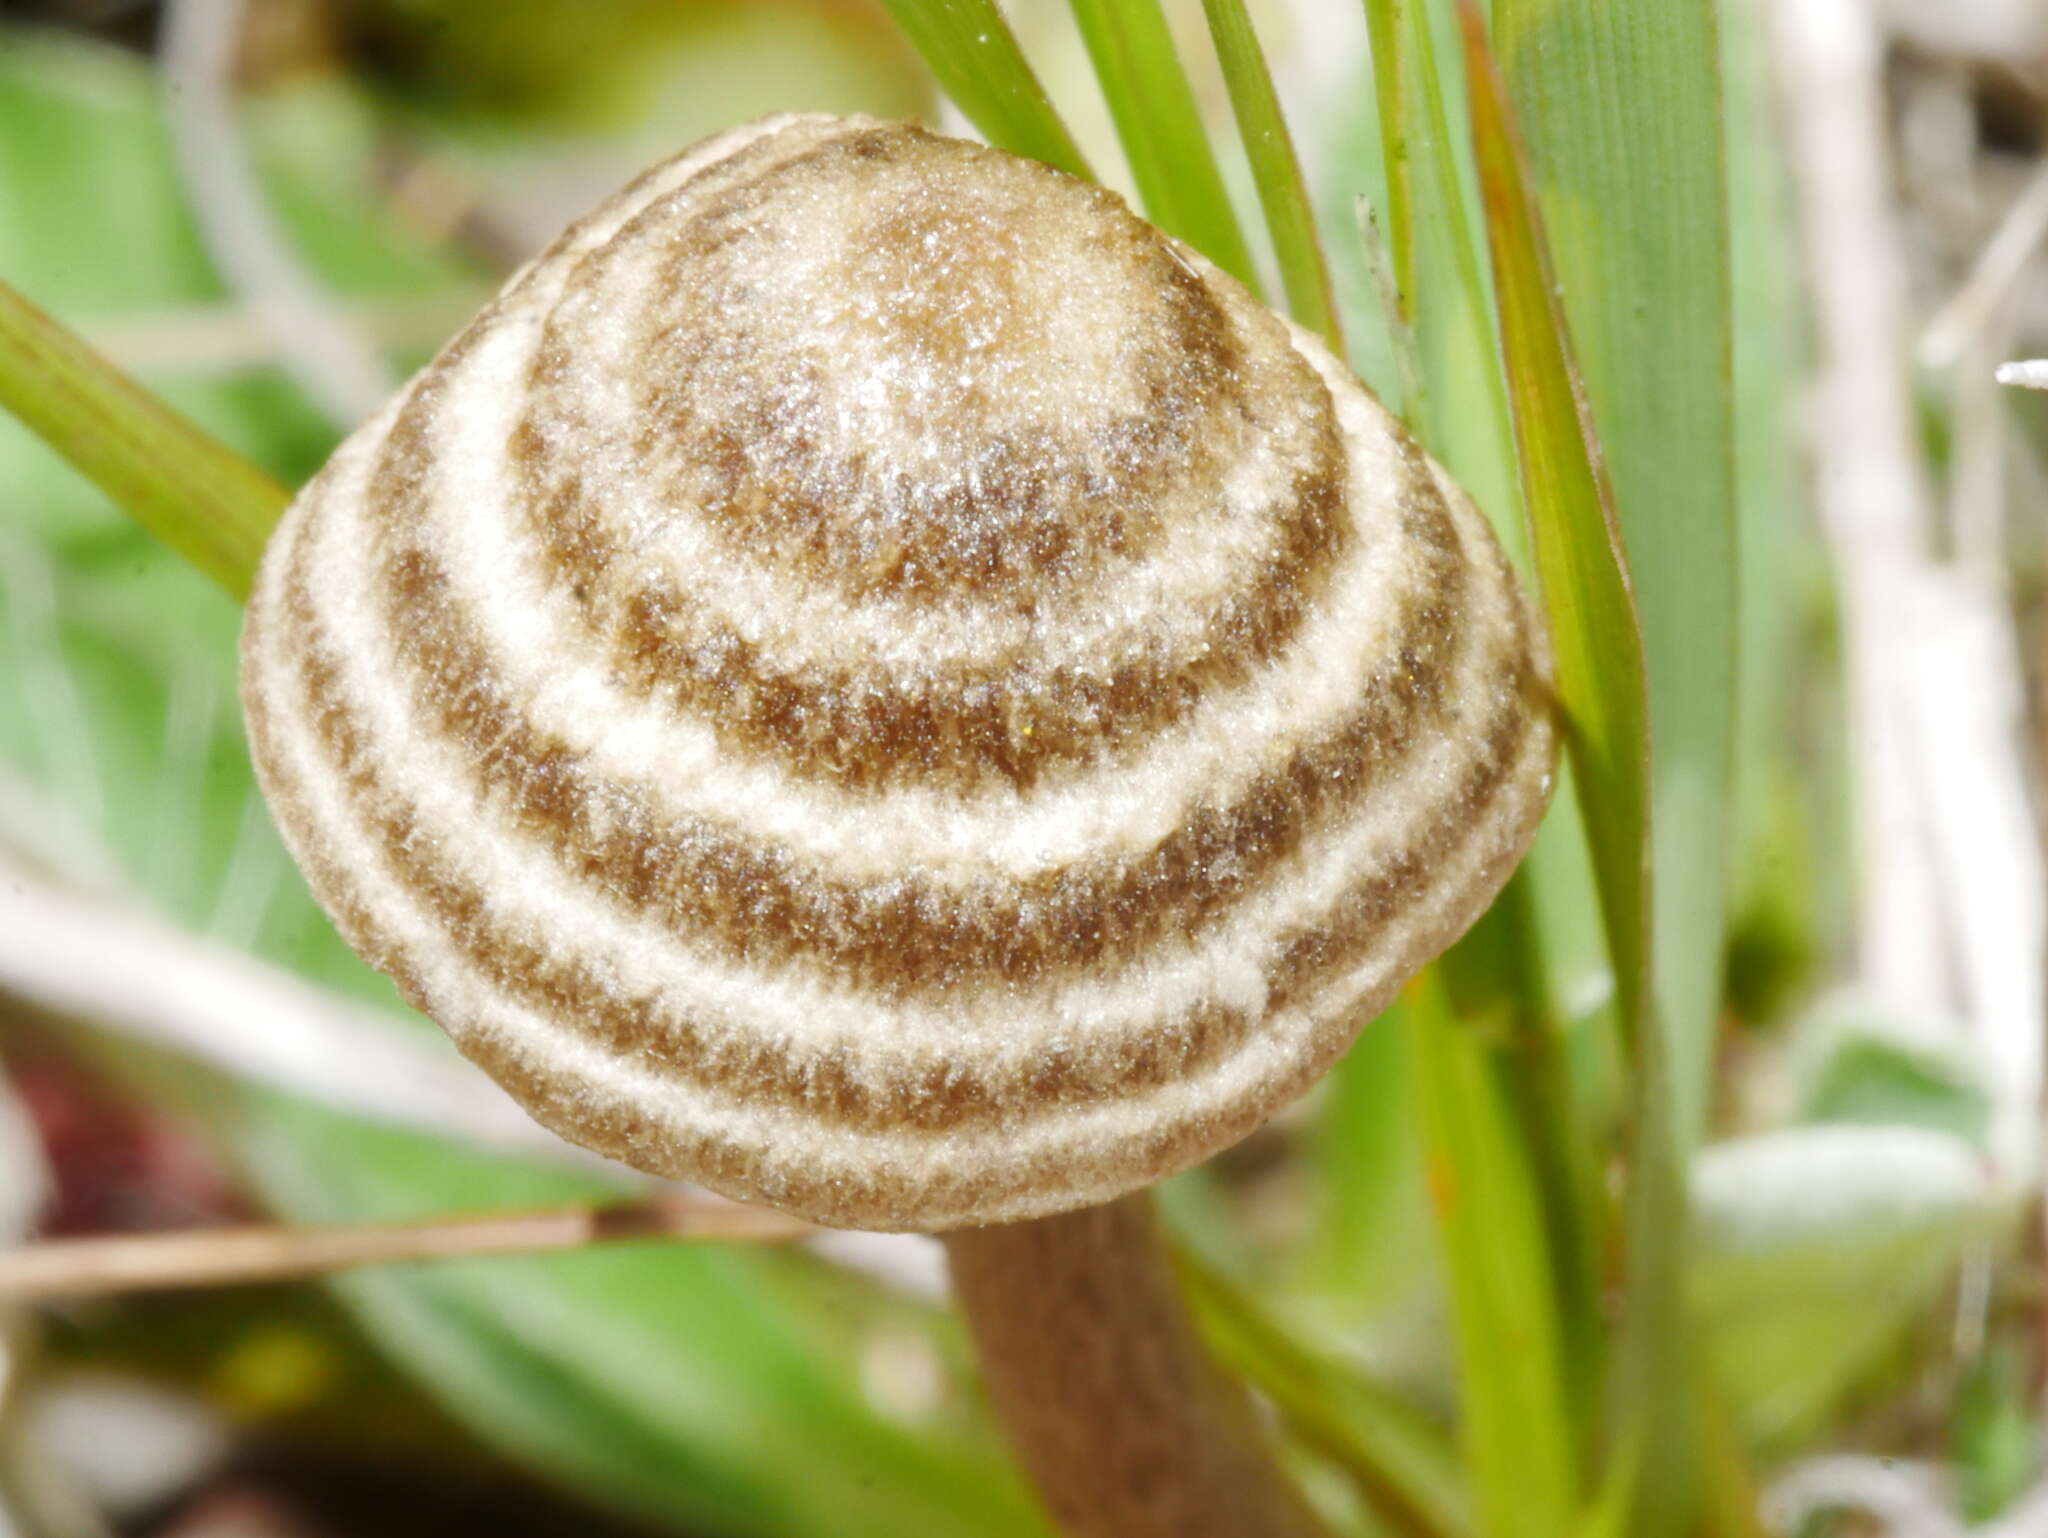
(872, 679)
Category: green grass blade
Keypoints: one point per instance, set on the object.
(1160, 128)
(1461, 412)
(1366, 1252)
(1276, 170)
(1498, 981)
(1462, 416)
(602, 1366)
(975, 56)
(1390, 97)
(1401, 1464)
(1575, 539)
(1621, 106)
(188, 489)
(1776, 934)
(1512, 1401)
(1603, 689)
(1465, 420)
(1394, 315)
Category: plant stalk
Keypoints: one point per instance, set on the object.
(194, 493)
(1116, 1412)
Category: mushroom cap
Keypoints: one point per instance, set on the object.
(873, 679)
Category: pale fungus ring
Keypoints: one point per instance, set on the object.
(874, 680)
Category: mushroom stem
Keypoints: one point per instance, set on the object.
(1117, 1414)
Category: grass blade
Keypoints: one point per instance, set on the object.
(975, 56)
(1160, 128)
(1575, 539)
(1400, 1463)
(1775, 932)
(1622, 109)
(1276, 170)
(1390, 97)
(1460, 414)
(192, 492)
(1499, 985)
(1603, 688)
(1512, 1403)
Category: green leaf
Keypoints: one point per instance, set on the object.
(1282, 193)
(1815, 1246)
(1621, 105)
(1995, 1431)
(975, 55)
(1514, 1412)
(1874, 1082)
(1160, 128)
(117, 687)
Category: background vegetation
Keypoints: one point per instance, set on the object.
(1696, 1192)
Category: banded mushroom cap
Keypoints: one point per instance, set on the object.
(872, 679)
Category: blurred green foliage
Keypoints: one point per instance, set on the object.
(1428, 1310)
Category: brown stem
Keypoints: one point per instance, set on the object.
(1125, 1425)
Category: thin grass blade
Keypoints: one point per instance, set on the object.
(1622, 110)
(1160, 128)
(1498, 981)
(1603, 689)
(1275, 170)
(1401, 1463)
(1574, 536)
(1390, 96)
(974, 54)
(1512, 1402)
(187, 488)
(1460, 412)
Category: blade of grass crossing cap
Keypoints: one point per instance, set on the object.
(1275, 170)
(1390, 98)
(1160, 127)
(970, 48)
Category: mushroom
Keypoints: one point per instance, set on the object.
(874, 680)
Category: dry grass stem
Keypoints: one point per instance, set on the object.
(73, 1268)
(1868, 484)
(327, 356)
(1950, 870)
(1974, 308)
